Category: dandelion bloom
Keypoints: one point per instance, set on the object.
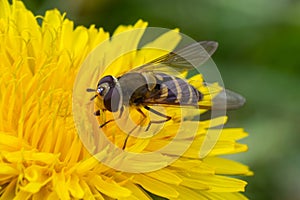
(41, 155)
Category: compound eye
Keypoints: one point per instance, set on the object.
(103, 89)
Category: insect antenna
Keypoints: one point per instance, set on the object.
(93, 97)
(91, 90)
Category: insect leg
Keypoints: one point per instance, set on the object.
(105, 123)
(145, 117)
(111, 120)
(97, 113)
(127, 137)
(157, 113)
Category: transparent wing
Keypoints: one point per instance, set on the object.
(231, 100)
(226, 99)
(181, 60)
(221, 100)
(186, 59)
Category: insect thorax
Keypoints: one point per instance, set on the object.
(134, 88)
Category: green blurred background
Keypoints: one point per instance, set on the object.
(258, 56)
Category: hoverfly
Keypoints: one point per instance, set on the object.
(150, 84)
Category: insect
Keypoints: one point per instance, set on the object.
(151, 84)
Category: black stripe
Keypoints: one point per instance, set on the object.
(188, 94)
(185, 92)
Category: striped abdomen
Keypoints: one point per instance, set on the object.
(173, 90)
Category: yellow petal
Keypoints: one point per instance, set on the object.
(165, 175)
(44, 193)
(60, 185)
(165, 43)
(74, 187)
(88, 164)
(196, 166)
(227, 147)
(6, 169)
(9, 191)
(219, 183)
(4, 9)
(32, 187)
(74, 152)
(137, 192)
(226, 166)
(186, 193)
(156, 187)
(233, 134)
(52, 18)
(87, 191)
(21, 195)
(110, 189)
(223, 195)
(138, 24)
(194, 183)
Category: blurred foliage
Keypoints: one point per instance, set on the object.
(258, 56)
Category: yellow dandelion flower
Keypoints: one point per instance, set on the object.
(41, 154)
